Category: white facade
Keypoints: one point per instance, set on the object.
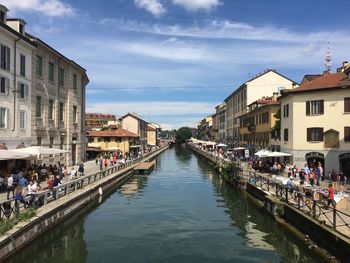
(15, 85)
(263, 85)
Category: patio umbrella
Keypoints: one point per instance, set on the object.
(278, 154)
(40, 150)
(262, 153)
(238, 148)
(14, 155)
(221, 145)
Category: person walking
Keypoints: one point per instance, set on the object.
(81, 169)
(10, 187)
(331, 196)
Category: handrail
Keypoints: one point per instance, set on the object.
(329, 216)
(9, 208)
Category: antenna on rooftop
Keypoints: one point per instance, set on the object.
(328, 60)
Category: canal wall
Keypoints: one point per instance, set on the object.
(55, 212)
(298, 223)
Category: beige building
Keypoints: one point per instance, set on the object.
(256, 125)
(15, 82)
(264, 84)
(315, 122)
(151, 135)
(58, 103)
(132, 122)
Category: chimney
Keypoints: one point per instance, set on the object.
(17, 24)
(345, 65)
(274, 96)
(3, 14)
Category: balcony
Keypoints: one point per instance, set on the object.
(61, 125)
(51, 125)
(39, 124)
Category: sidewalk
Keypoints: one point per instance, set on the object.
(89, 166)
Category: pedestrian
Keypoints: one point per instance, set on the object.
(81, 169)
(19, 197)
(331, 196)
(101, 164)
(334, 178)
(105, 163)
(341, 181)
(32, 191)
(10, 187)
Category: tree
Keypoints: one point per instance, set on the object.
(183, 134)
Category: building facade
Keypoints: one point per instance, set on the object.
(58, 103)
(99, 120)
(236, 103)
(256, 125)
(315, 122)
(15, 82)
(151, 135)
(132, 122)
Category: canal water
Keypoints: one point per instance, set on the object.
(181, 212)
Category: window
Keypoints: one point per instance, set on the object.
(265, 117)
(314, 134)
(4, 85)
(75, 81)
(22, 120)
(2, 16)
(286, 111)
(38, 141)
(347, 134)
(22, 64)
(314, 107)
(61, 77)
(285, 135)
(5, 57)
(22, 91)
(3, 117)
(39, 66)
(347, 105)
(51, 142)
(51, 109)
(75, 109)
(38, 107)
(61, 143)
(61, 112)
(51, 72)
(21, 29)
(107, 139)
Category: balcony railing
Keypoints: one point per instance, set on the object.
(61, 125)
(39, 123)
(51, 124)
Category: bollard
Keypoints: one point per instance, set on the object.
(334, 218)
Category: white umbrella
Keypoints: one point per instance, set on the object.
(278, 154)
(221, 145)
(238, 148)
(262, 153)
(13, 155)
(40, 150)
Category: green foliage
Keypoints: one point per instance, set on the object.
(280, 210)
(6, 225)
(26, 214)
(183, 134)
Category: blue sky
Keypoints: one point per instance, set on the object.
(173, 61)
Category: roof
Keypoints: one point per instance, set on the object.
(328, 81)
(254, 78)
(310, 77)
(112, 133)
(134, 116)
(151, 128)
(10, 29)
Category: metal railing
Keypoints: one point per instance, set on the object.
(11, 208)
(320, 211)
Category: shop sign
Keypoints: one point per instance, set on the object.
(314, 155)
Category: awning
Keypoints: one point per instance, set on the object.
(94, 144)
(239, 148)
(221, 145)
(14, 155)
(262, 153)
(278, 154)
(112, 149)
(135, 146)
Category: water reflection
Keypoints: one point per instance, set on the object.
(183, 154)
(133, 186)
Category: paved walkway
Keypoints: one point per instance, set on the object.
(89, 166)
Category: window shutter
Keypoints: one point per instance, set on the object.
(308, 108)
(346, 104)
(321, 106)
(7, 121)
(18, 89)
(26, 90)
(308, 136)
(320, 130)
(8, 58)
(7, 86)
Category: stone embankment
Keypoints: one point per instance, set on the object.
(72, 197)
(324, 230)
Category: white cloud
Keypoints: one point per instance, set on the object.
(46, 7)
(155, 7)
(153, 108)
(194, 5)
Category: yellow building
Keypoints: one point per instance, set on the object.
(112, 141)
(256, 125)
(315, 122)
(132, 122)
